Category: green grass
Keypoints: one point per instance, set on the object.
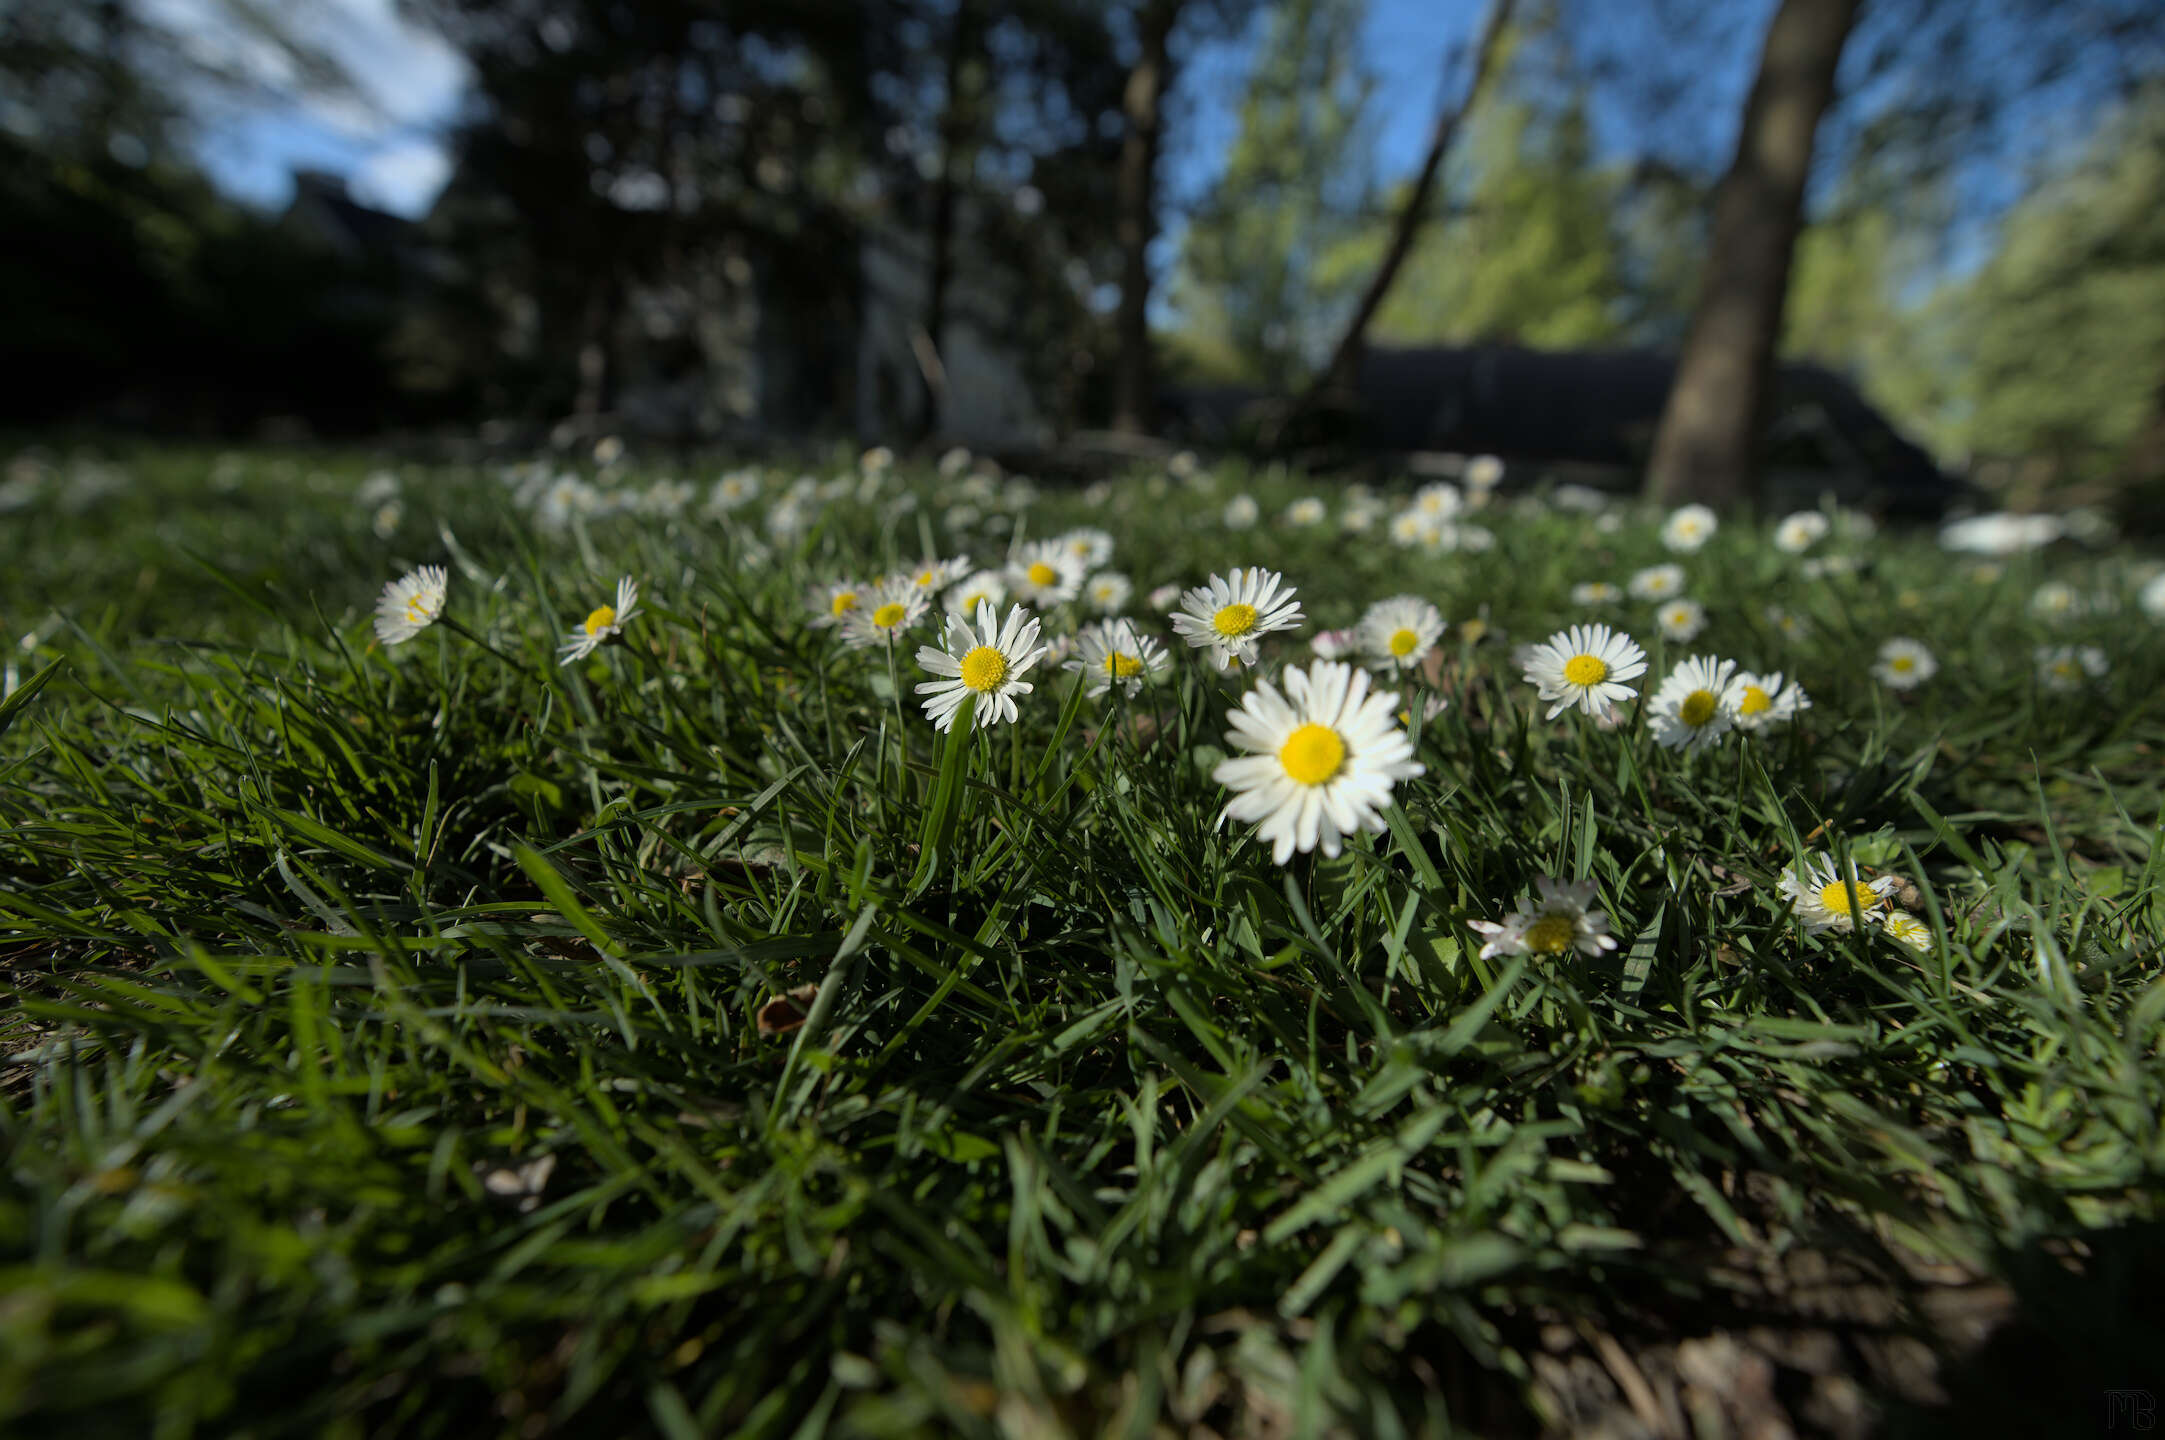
(383, 1052)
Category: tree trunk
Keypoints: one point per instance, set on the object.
(1345, 356)
(1707, 446)
(1143, 104)
(957, 124)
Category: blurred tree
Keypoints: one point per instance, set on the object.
(1706, 447)
(1294, 188)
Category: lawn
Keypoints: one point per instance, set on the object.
(440, 1038)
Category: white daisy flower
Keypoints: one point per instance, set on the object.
(1361, 515)
(2152, 598)
(733, 491)
(934, 575)
(1439, 503)
(1229, 615)
(1904, 664)
(1045, 573)
(604, 624)
(1332, 644)
(410, 604)
(1318, 761)
(2056, 601)
(1786, 625)
(1183, 465)
(1398, 633)
(1164, 597)
(1596, 593)
(1091, 546)
(987, 661)
(884, 614)
(380, 487)
(1694, 706)
(1657, 582)
(954, 462)
(565, 499)
(1484, 472)
(876, 461)
(1107, 592)
(1820, 567)
(1585, 666)
(1825, 898)
(1306, 512)
(1580, 499)
(386, 520)
(1241, 512)
(1560, 920)
(1114, 652)
(1770, 699)
(1416, 530)
(1906, 929)
(965, 597)
(1473, 539)
(1800, 532)
(2066, 668)
(666, 499)
(832, 602)
(961, 517)
(1681, 619)
(1687, 528)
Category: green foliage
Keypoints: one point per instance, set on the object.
(442, 1040)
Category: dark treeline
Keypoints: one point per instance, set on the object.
(937, 220)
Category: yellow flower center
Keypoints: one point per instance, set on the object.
(1902, 664)
(927, 578)
(603, 617)
(1042, 574)
(1755, 700)
(1698, 708)
(1586, 670)
(1312, 754)
(417, 613)
(1235, 621)
(1551, 934)
(1122, 667)
(1836, 896)
(1472, 631)
(983, 669)
(1404, 642)
(844, 601)
(888, 616)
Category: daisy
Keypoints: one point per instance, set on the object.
(1557, 922)
(1825, 898)
(733, 491)
(1800, 532)
(2065, 668)
(1595, 592)
(1483, 472)
(604, 624)
(884, 614)
(1108, 592)
(1045, 573)
(2152, 598)
(1821, 567)
(831, 603)
(1763, 700)
(1681, 619)
(954, 462)
(964, 598)
(1332, 644)
(1585, 666)
(2055, 600)
(1473, 539)
(988, 662)
(1657, 582)
(932, 575)
(1904, 664)
(1093, 547)
(1229, 615)
(1319, 760)
(1439, 503)
(1114, 652)
(1306, 512)
(1687, 528)
(1788, 626)
(410, 604)
(1361, 515)
(1415, 529)
(1398, 633)
(876, 461)
(1164, 597)
(1694, 707)
(1241, 512)
(1907, 929)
